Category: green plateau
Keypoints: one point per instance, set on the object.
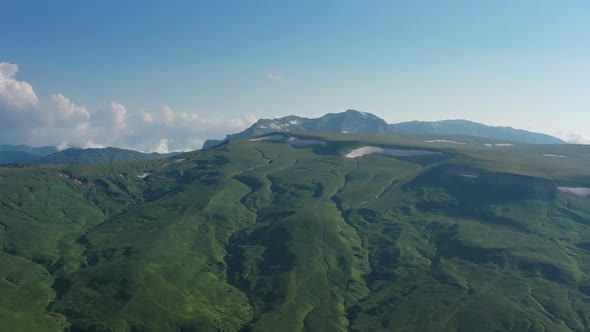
(300, 231)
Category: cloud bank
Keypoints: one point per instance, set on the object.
(28, 119)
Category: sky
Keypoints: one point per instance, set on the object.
(166, 75)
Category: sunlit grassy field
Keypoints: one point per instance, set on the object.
(264, 236)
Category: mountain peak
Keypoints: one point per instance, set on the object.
(351, 111)
(355, 113)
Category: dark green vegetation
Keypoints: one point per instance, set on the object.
(353, 121)
(264, 236)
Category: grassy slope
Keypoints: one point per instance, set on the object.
(262, 236)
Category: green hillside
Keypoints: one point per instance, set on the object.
(287, 233)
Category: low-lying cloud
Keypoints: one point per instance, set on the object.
(28, 119)
(576, 137)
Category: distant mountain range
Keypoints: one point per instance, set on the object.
(98, 156)
(350, 121)
(19, 154)
(14, 154)
(40, 151)
(353, 121)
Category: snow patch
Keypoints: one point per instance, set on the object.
(368, 150)
(575, 191)
(173, 162)
(471, 176)
(84, 184)
(294, 122)
(240, 172)
(443, 141)
(267, 138)
(554, 155)
(296, 142)
(498, 144)
(144, 175)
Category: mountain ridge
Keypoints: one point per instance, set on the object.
(353, 121)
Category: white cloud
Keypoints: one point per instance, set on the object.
(274, 77)
(63, 108)
(26, 119)
(167, 113)
(15, 93)
(162, 146)
(63, 146)
(119, 113)
(148, 118)
(577, 137)
(8, 70)
(91, 145)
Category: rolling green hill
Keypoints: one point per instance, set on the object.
(303, 232)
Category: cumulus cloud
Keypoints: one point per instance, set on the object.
(162, 146)
(119, 113)
(14, 93)
(274, 77)
(27, 119)
(167, 113)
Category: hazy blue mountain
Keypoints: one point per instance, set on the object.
(78, 156)
(353, 121)
(40, 151)
(14, 154)
(20, 154)
(15, 157)
(464, 127)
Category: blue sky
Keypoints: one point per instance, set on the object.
(218, 65)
